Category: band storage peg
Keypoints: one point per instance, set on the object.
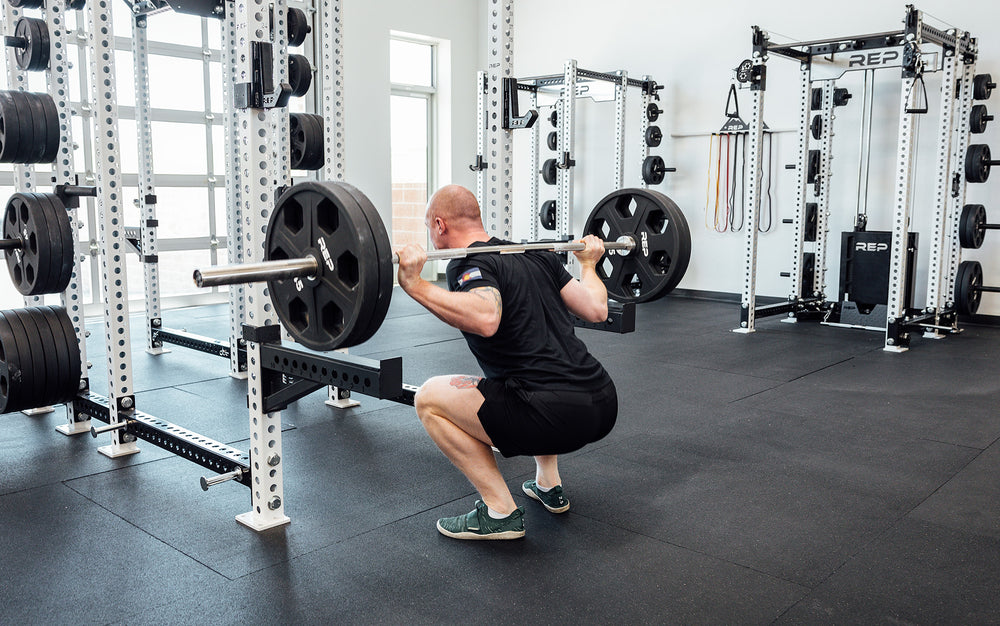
(549, 171)
(552, 140)
(298, 26)
(653, 170)
(979, 118)
(299, 74)
(978, 163)
(982, 86)
(653, 136)
(236, 474)
(547, 215)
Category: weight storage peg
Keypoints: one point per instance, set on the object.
(653, 170)
(978, 118)
(330, 262)
(552, 140)
(982, 86)
(969, 287)
(30, 43)
(549, 171)
(972, 226)
(653, 112)
(978, 162)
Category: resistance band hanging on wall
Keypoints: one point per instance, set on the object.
(724, 217)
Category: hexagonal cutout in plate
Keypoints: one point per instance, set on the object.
(347, 269)
(332, 318)
(327, 216)
(292, 215)
(298, 314)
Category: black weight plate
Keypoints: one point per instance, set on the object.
(73, 363)
(60, 236)
(28, 266)
(40, 48)
(50, 115)
(10, 125)
(978, 118)
(554, 118)
(11, 373)
(314, 219)
(981, 86)
(22, 56)
(653, 170)
(32, 104)
(816, 126)
(547, 215)
(67, 352)
(48, 243)
(313, 155)
(968, 284)
(298, 27)
(552, 140)
(971, 231)
(977, 163)
(48, 324)
(26, 4)
(32, 363)
(34, 320)
(662, 237)
(28, 138)
(299, 74)
(296, 140)
(653, 136)
(652, 112)
(383, 248)
(549, 171)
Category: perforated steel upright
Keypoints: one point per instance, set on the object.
(114, 284)
(252, 23)
(621, 91)
(279, 115)
(536, 132)
(147, 181)
(643, 151)
(498, 145)
(823, 175)
(481, 173)
(57, 79)
(755, 136)
(956, 201)
(940, 242)
(567, 127)
(330, 46)
(234, 190)
(798, 240)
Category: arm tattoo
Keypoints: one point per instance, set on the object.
(464, 382)
(491, 295)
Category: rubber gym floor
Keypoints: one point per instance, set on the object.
(796, 475)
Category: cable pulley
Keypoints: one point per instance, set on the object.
(329, 266)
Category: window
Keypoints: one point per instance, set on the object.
(412, 73)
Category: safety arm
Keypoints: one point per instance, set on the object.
(587, 298)
(476, 311)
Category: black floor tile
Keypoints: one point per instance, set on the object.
(970, 501)
(916, 573)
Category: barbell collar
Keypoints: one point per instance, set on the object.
(236, 474)
(256, 272)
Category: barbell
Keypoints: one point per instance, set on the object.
(329, 260)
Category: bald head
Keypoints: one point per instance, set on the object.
(453, 218)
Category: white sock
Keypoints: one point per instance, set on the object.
(496, 515)
(543, 489)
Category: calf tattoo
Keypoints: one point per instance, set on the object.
(465, 382)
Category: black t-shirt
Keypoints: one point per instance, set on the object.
(535, 342)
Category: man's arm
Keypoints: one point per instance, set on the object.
(475, 311)
(587, 298)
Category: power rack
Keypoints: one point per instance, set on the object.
(916, 50)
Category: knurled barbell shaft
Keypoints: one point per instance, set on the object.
(308, 266)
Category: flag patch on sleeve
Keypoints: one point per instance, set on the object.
(473, 274)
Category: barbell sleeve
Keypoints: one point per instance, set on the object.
(236, 474)
(11, 244)
(309, 266)
(255, 272)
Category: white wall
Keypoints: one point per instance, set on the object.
(366, 88)
(691, 47)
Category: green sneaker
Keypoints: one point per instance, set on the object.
(478, 524)
(553, 500)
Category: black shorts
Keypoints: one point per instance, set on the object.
(557, 421)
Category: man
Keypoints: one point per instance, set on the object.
(543, 394)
